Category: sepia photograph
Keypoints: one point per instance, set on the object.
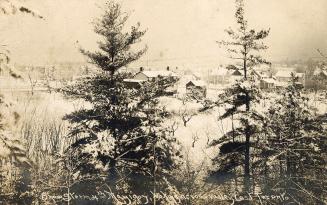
(163, 102)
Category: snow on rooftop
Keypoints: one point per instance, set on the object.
(156, 73)
(199, 83)
(269, 80)
(133, 80)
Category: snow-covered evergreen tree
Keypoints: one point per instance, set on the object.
(116, 46)
(240, 99)
(121, 133)
(294, 149)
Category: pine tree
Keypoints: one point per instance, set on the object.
(294, 149)
(116, 48)
(244, 47)
(121, 133)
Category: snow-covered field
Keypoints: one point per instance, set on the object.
(43, 107)
(194, 136)
(199, 131)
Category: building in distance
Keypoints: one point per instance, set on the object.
(196, 89)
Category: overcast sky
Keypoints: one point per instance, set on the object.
(180, 32)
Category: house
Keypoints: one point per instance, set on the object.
(236, 73)
(133, 83)
(318, 79)
(267, 83)
(151, 75)
(196, 88)
(185, 79)
(259, 75)
(219, 76)
(286, 76)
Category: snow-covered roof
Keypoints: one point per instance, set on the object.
(197, 75)
(235, 72)
(269, 80)
(122, 70)
(156, 73)
(283, 73)
(261, 74)
(133, 80)
(288, 74)
(198, 83)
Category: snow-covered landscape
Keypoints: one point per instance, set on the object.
(205, 104)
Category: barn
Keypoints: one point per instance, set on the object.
(196, 88)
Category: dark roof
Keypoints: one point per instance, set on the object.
(197, 83)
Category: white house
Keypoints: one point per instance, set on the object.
(286, 76)
(267, 83)
(259, 75)
(153, 74)
(219, 76)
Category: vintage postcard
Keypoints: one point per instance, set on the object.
(163, 102)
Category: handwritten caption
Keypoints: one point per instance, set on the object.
(176, 198)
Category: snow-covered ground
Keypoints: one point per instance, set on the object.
(199, 131)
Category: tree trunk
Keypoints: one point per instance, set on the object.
(247, 150)
(233, 127)
(247, 162)
(154, 173)
(244, 63)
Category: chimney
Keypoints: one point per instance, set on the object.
(168, 68)
(141, 69)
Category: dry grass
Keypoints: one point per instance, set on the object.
(40, 125)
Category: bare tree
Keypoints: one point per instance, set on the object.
(49, 74)
(173, 127)
(195, 138)
(185, 115)
(32, 83)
